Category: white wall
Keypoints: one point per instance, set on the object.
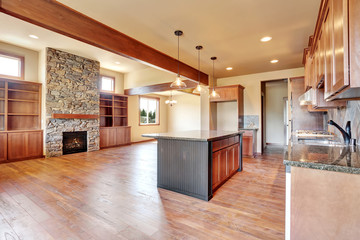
(227, 117)
(252, 94)
(147, 76)
(133, 120)
(119, 79)
(185, 115)
(31, 60)
(275, 94)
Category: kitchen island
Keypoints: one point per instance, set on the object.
(322, 191)
(197, 163)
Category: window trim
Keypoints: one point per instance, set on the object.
(158, 111)
(22, 66)
(106, 91)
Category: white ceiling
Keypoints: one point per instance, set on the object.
(230, 30)
(15, 31)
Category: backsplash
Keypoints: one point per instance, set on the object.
(342, 115)
(251, 120)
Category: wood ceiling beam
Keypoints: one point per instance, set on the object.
(156, 88)
(59, 18)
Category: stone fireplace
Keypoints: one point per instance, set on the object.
(71, 88)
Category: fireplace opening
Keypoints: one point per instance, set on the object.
(74, 142)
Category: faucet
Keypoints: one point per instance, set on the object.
(345, 133)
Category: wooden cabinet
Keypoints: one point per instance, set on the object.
(23, 145)
(336, 41)
(3, 146)
(249, 142)
(225, 160)
(233, 93)
(114, 136)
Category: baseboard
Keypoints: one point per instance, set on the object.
(275, 144)
(143, 141)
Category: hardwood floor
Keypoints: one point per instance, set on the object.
(112, 194)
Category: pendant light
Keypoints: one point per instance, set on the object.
(213, 93)
(171, 101)
(178, 83)
(198, 88)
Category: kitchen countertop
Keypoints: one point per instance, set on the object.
(249, 128)
(331, 158)
(193, 135)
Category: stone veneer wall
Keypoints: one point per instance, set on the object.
(342, 115)
(71, 88)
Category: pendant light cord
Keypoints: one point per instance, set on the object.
(213, 74)
(178, 56)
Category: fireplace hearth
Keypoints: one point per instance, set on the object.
(74, 142)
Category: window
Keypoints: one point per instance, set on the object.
(149, 111)
(107, 83)
(11, 66)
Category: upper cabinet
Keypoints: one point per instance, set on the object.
(332, 59)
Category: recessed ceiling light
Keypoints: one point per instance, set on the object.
(274, 61)
(266, 39)
(33, 36)
(229, 68)
(117, 63)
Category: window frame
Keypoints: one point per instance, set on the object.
(22, 66)
(158, 111)
(113, 78)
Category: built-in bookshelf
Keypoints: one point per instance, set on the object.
(21, 136)
(113, 110)
(114, 129)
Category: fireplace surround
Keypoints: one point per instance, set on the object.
(74, 142)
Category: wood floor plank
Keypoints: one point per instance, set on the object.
(113, 194)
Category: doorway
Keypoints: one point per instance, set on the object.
(274, 113)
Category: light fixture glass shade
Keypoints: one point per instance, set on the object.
(178, 83)
(214, 94)
(199, 89)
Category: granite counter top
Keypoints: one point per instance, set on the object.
(330, 158)
(193, 135)
(249, 128)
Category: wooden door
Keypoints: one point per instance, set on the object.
(34, 144)
(3, 146)
(341, 51)
(17, 145)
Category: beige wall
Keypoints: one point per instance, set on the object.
(185, 115)
(252, 84)
(119, 79)
(31, 60)
(204, 109)
(275, 94)
(133, 113)
(147, 76)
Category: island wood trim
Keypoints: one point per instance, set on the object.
(156, 88)
(59, 18)
(74, 116)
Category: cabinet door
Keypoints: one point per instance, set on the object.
(122, 136)
(104, 138)
(248, 145)
(236, 157)
(3, 146)
(230, 161)
(223, 164)
(112, 137)
(321, 55)
(329, 47)
(216, 169)
(340, 28)
(17, 145)
(34, 144)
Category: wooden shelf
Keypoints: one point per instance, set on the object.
(3, 99)
(106, 106)
(23, 100)
(119, 107)
(19, 90)
(120, 101)
(23, 114)
(104, 99)
(120, 116)
(74, 116)
(105, 115)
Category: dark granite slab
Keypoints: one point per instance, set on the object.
(193, 135)
(330, 158)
